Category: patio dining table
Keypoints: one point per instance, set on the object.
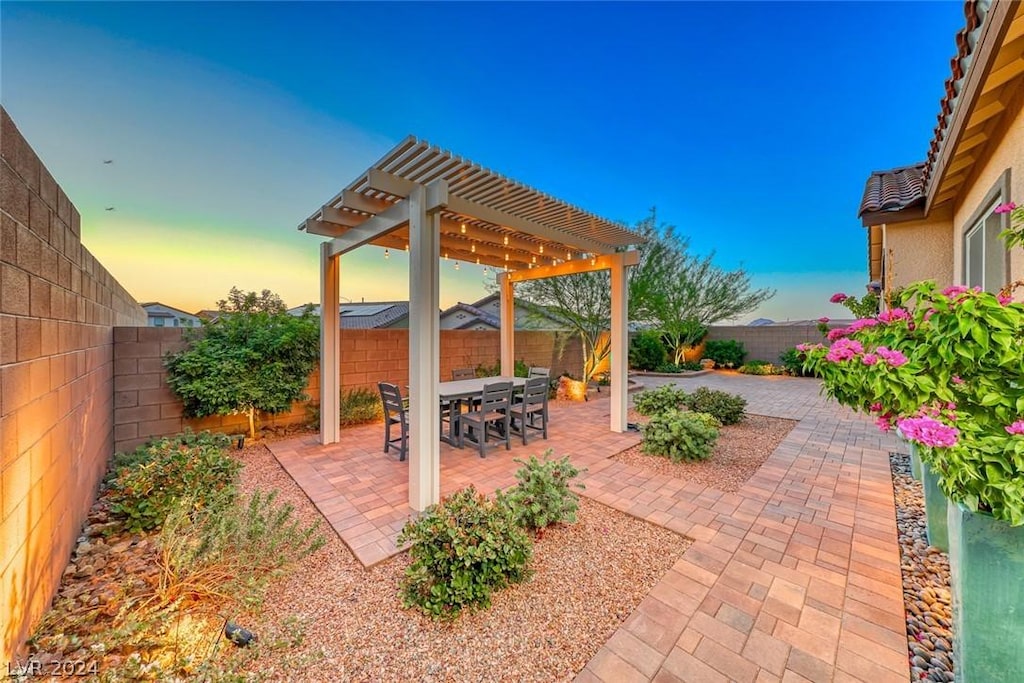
(466, 390)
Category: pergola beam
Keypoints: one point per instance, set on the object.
(371, 229)
(629, 258)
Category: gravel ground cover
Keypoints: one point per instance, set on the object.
(739, 452)
(925, 582)
(588, 578)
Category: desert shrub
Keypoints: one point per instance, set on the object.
(727, 353)
(655, 401)
(679, 436)
(359, 406)
(646, 352)
(705, 418)
(149, 482)
(793, 361)
(758, 367)
(688, 365)
(728, 408)
(231, 549)
(463, 549)
(544, 494)
(488, 370)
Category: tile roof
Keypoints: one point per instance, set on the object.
(893, 190)
(366, 315)
(966, 39)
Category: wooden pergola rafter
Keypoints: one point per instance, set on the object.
(439, 206)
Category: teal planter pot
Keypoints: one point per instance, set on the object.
(915, 461)
(935, 504)
(986, 559)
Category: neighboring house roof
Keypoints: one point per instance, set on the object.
(758, 322)
(208, 314)
(155, 309)
(365, 315)
(476, 316)
(893, 190)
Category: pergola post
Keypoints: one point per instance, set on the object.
(508, 325)
(330, 346)
(424, 352)
(619, 334)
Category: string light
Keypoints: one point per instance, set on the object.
(533, 259)
(478, 260)
(593, 261)
(387, 253)
(456, 265)
(568, 256)
(542, 248)
(506, 240)
(407, 246)
(462, 228)
(506, 257)
(472, 248)
(446, 256)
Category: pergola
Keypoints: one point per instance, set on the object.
(434, 204)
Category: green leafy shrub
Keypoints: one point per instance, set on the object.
(728, 408)
(149, 482)
(705, 418)
(224, 549)
(247, 360)
(792, 360)
(360, 406)
(544, 494)
(646, 352)
(679, 436)
(463, 549)
(688, 365)
(727, 353)
(758, 367)
(660, 400)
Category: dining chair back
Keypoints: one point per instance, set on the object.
(531, 412)
(494, 411)
(396, 412)
(540, 372)
(463, 373)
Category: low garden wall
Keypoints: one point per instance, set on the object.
(145, 407)
(766, 342)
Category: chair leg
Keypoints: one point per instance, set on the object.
(508, 433)
(405, 443)
(387, 433)
(481, 438)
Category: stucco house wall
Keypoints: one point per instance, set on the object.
(920, 250)
(1008, 154)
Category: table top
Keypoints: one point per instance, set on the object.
(465, 388)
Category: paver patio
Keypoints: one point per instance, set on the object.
(794, 577)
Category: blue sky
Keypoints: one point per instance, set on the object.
(750, 126)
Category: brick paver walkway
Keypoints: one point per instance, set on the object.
(794, 577)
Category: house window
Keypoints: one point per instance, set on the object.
(985, 253)
(158, 322)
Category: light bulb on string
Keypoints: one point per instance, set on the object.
(462, 228)
(456, 265)
(387, 253)
(472, 248)
(542, 248)
(505, 240)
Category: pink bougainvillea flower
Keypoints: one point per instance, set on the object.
(893, 358)
(1005, 208)
(929, 431)
(869, 359)
(860, 324)
(893, 315)
(1004, 299)
(955, 290)
(844, 349)
(837, 333)
(884, 423)
(1015, 428)
(838, 298)
(875, 408)
(823, 320)
(957, 379)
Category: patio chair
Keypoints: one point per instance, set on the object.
(495, 409)
(532, 406)
(463, 373)
(396, 412)
(539, 372)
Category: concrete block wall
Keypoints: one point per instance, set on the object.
(58, 307)
(144, 406)
(766, 342)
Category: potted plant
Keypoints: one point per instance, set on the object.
(949, 372)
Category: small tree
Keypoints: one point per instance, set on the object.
(254, 356)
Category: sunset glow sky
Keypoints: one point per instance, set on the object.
(751, 127)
